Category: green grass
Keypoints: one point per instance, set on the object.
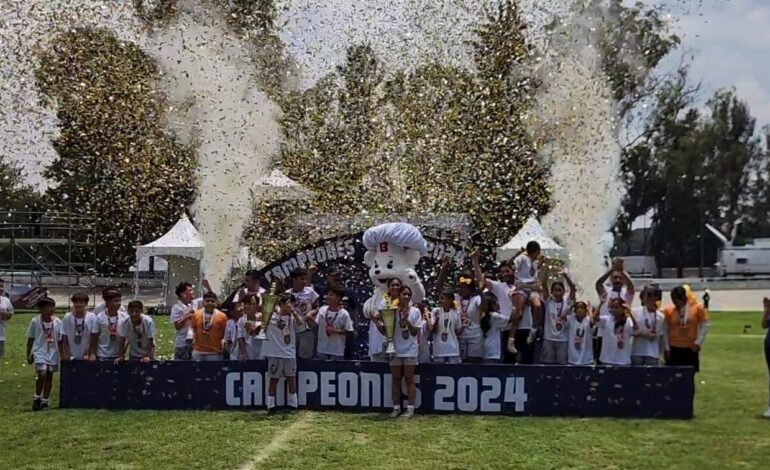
(726, 432)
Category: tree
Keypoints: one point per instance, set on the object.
(15, 194)
(115, 161)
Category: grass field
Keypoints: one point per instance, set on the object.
(727, 431)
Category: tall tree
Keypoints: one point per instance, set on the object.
(15, 194)
(115, 161)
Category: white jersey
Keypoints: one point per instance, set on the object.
(604, 310)
(501, 290)
(492, 339)
(404, 342)
(233, 334)
(107, 346)
(470, 308)
(78, 332)
(340, 320)
(445, 342)
(526, 270)
(616, 343)
(46, 337)
(138, 336)
(178, 311)
(376, 339)
(253, 343)
(282, 336)
(580, 351)
(5, 307)
(647, 322)
(556, 312)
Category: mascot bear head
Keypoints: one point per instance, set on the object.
(393, 250)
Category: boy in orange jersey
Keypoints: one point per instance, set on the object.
(686, 326)
(208, 327)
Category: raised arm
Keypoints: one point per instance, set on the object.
(481, 280)
(571, 284)
(443, 274)
(600, 291)
(544, 291)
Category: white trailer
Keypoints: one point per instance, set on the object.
(751, 258)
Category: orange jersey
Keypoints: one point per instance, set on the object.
(208, 338)
(684, 335)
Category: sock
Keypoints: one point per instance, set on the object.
(396, 407)
(44, 400)
(292, 400)
(37, 397)
(270, 402)
(410, 408)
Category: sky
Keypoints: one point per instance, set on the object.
(729, 41)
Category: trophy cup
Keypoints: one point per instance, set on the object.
(269, 299)
(388, 316)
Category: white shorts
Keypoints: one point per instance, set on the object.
(447, 360)
(42, 367)
(553, 352)
(403, 361)
(205, 357)
(280, 367)
(471, 347)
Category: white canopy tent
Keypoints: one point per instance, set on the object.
(182, 248)
(277, 185)
(532, 230)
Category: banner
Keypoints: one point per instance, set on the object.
(623, 392)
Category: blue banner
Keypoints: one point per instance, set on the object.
(624, 392)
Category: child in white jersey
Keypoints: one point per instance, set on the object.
(617, 330)
(555, 333)
(250, 324)
(43, 338)
(105, 342)
(280, 349)
(580, 326)
(235, 344)
(528, 286)
(138, 332)
(77, 328)
(334, 326)
(649, 337)
(446, 327)
(468, 302)
(493, 322)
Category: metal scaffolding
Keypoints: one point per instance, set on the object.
(56, 246)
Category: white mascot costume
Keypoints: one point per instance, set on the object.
(392, 251)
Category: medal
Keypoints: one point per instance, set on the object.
(139, 335)
(207, 327)
(113, 327)
(619, 335)
(402, 324)
(48, 335)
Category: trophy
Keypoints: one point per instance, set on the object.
(388, 316)
(269, 299)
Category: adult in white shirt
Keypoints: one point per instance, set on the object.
(138, 333)
(516, 335)
(649, 336)
(181, 315)
(371, 311)
(105, 342)
(579, 326)
(555, 332)
(404, 361)
(77, 328)
(621, 287)
(6, 312)
(617, 330)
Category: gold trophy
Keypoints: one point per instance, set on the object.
(388, 315)
(269, 299)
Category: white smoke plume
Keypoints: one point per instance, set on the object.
(218, 104)
(577, 120)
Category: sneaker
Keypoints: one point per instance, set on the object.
(44, 406)
(36, 404)
(395, 412)
(408, 414)
(532, 336)
(767, 413)
(512, 345)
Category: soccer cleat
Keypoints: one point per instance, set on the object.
(44, 406)
(36, 404)
(408, 414)
(766, 413)
(395, 412)
(512, 345)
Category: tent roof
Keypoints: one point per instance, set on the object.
(182, 240)
(276, 185)
(531, 231)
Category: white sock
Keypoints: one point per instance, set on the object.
(410, 408)
(292, 400)
(45, 400)
(396, 407)
(270, 402)
(37, 397)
